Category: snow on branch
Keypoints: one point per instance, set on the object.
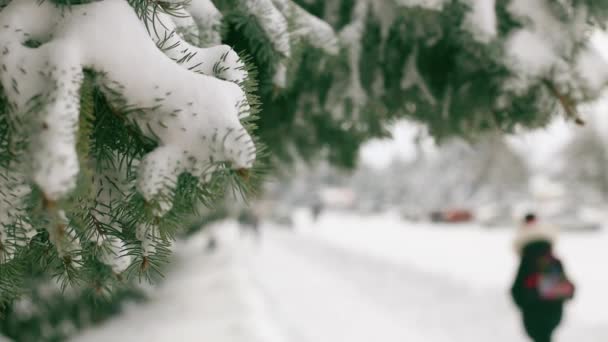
(272, 22)
(481, 20)
(194, 118)
(315, 31)
(548, 46)
(350, 37)
(220, 61)
(200, 19)
(427, 4)
(209, 19)
(275, 26)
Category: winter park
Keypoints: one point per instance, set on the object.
(304, 170)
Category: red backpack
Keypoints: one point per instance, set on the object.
(549, 280)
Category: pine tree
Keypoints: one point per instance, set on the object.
(118, 117)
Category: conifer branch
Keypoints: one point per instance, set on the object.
(567, 104)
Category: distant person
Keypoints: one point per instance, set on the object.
(249, 221)
(317, 208)
(541, 286)
(211, 245)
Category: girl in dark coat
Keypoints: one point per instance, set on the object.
(541, 286)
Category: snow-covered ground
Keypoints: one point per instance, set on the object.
(468, 254)
(354, 278)
(207, 296)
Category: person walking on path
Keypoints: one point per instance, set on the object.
(541, 286)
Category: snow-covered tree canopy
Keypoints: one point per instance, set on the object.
(460, 66)
(117, 116)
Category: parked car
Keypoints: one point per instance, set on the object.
(452, 216)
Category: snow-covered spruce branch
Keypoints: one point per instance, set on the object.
(281, 24)
(192, 116)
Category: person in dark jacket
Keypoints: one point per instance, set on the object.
(316, 209)
(541, 286)
(250, 222)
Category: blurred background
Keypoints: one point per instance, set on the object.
(415, 244)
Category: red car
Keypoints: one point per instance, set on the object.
(452, 216)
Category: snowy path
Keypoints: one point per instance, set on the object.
(320, 293)
(313, 303)
(308, 287)
(207, 297)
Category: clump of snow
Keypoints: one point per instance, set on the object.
(428, 4)
(275, 18)
(64, 238)
(481, 19)
(538, 17)
(283, 20)
(220, 61)
(208, 19)
(280, 75)
(112, 254)
(315, 31)
(592, 69)
(543, 47)
(186, 27)
(532, 53)
(272, 22)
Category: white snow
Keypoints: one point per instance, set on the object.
(592, 68)
(379, 153)
(535, 49)
(220, 61)
(478, 258)
(355, 278)
(481, 19)
(545, 45)
(272, 22)
(111, 254)
(539, 18)
(207, 297)
(448, 251)
(313, 304)
(186, 26)
(64, 238)
(427, 4)
(208, 19)
(315, 31)
(532, 53)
